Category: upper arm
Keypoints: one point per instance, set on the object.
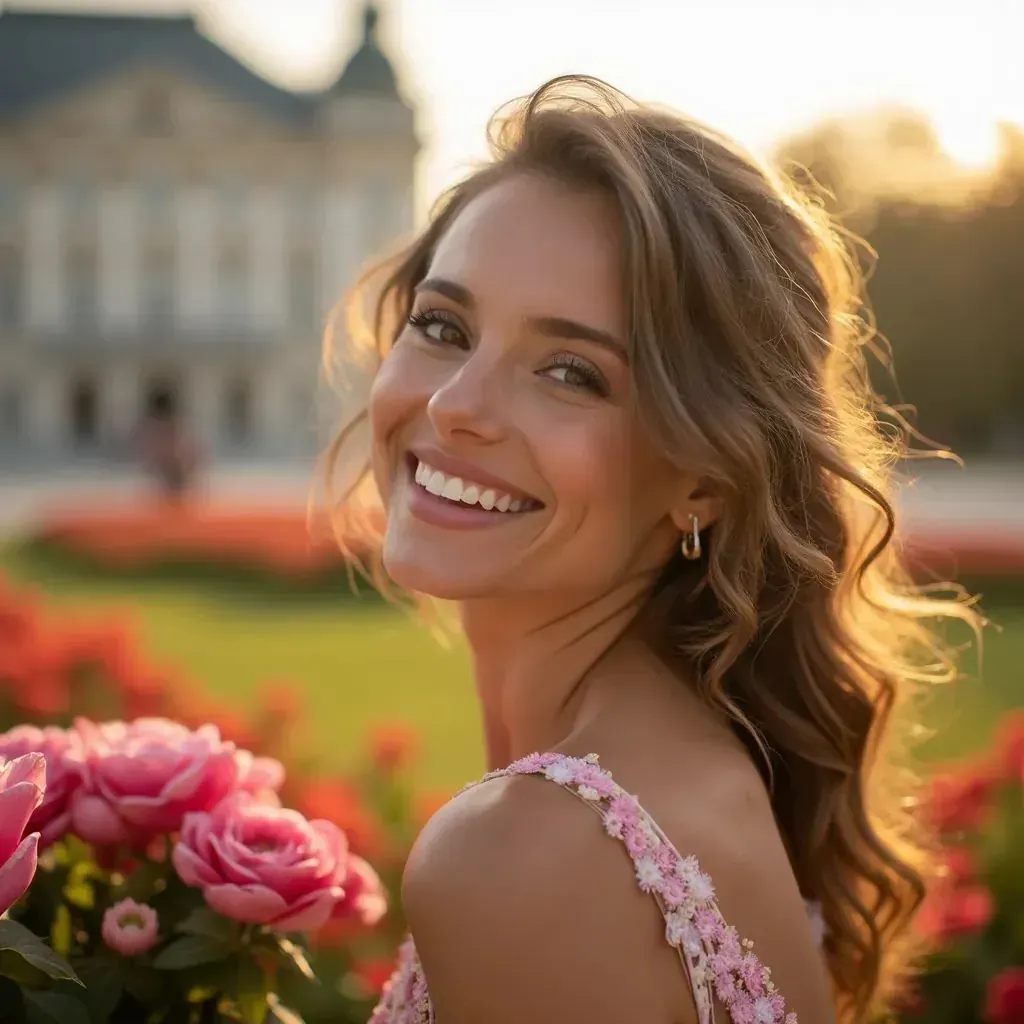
(522, 909)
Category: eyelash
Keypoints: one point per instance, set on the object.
(593, 380)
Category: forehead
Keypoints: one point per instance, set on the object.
(531, 243)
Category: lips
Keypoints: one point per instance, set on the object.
(461, 483)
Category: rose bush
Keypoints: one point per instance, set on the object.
(56, 669)
(973, 912)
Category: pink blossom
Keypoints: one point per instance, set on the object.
(22, 786)
(262, 864)
(259, 774)
(62, 750)
(140, 778)
(130, 928)
(364, 897)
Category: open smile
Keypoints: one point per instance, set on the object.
(483, 500)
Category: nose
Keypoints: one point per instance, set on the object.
(470, 403)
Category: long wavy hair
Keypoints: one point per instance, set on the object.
(750, 340)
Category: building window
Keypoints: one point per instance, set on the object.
(80, 199)
(82, 289)
(10, 287)
(83, 412)
(233, 285)
(232, 198)
(238, 412)
(10, 413)
(158, 289)
(10, 203)
(157, 203)
(301, 207)
(302, 311)
(154, 114)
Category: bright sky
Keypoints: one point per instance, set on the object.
(755, 68)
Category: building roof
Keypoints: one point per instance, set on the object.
(368, 70)
(45, 54)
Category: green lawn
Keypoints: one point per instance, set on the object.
(360, 662)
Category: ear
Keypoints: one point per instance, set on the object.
(697, 497)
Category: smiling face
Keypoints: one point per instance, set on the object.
(505, 445)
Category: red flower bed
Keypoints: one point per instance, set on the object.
(952, 554)
(284, 542)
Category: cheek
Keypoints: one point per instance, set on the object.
(397, 394)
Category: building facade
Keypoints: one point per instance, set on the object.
(173, 229)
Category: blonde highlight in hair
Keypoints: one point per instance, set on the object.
(749, 341)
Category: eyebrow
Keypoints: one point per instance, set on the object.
(550, 326)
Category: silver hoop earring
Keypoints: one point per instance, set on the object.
(690, 545)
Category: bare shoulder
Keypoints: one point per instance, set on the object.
(522, 909)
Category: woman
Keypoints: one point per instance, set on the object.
(622, 419)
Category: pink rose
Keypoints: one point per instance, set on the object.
(61, 750)
(22, 784)
(259, 774)
(364, 897)
(130, 928)
(141, 778)
(262, 864)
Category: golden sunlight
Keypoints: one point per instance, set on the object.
(969, 138)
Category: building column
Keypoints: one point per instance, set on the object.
(122, 405)
(202, 406)
(46, 420)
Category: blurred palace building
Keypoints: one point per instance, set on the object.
(173, 229)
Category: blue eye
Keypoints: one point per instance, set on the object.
(438, 325)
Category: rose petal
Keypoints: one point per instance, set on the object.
(95, 821)
(253, 904)
(17, 804)
(312, 912)
(18, 872)
(192, 869)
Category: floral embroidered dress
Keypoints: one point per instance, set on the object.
(716, 961)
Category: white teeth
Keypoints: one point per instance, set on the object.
(456, 489)
(452, 489)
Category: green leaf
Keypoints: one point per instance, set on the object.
(191, 951)
(204, 921)
(53, 1008)
(278, 1013)
(103, 987)
(18, 942)
(251, 989)
(144, 983)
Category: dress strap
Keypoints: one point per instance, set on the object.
(718, 964)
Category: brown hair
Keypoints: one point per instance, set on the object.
(749, 341)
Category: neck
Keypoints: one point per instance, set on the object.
(538, 663)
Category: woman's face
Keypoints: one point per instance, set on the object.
(504, 445)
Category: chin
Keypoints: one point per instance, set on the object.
(425, 573)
